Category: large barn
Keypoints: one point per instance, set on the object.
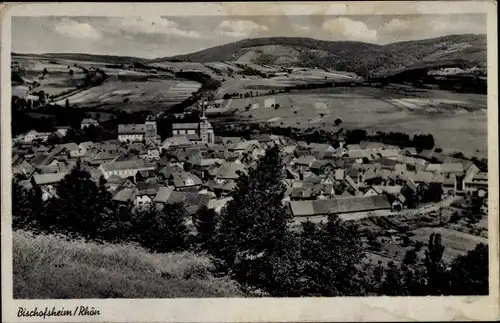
(347, 208)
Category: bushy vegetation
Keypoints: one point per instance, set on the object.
(467, 274)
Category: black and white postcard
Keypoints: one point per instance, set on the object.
(256, 162)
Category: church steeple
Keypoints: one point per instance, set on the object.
(206, 130)
(203, 107)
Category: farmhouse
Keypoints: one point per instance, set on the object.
(126, 168)
(34, 135)
(47, 183)
(479, 181)
(89, 122)
(131, 132)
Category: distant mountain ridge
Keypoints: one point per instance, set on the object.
(465, 50)
(115, 59)
(364, 59)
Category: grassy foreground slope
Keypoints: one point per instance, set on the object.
(48, 266)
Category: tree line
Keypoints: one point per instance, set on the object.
(253, 239)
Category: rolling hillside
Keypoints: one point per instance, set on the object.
(361, 58)
(51, 266)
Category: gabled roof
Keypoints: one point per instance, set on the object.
(169, 170)
(115, 180)
(263, 137)
(288, 149)
(371, 145)
(446, 168)
(339, 174)
(306, 160)
(410, 150)
(146, 188)
(231, 140)
(183, 126)
(360, 154)
(163, 194)
(193, 137)
(181, 179)
(346, 194)
(70, 146)
(127, 165)
(131, 129)
(350, 181)
(322, 147)
(318, 164)
(353, 147)
(339, 205)
(105, 155)
(387, 153)
(89, 121)
(125, 195)
(51, 178)
(228, 170)
(192, 201)
(395, 189)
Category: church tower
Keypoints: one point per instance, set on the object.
(206, 131)
(150, 130)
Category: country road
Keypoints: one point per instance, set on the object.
(431, 207)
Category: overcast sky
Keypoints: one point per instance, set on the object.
(151, 37)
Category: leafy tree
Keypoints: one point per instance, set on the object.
(255, 221)
(410, 257)
(469, 273)
(76, 208)
(435, 270)
(27, 207)
(392, 285)
(163, 230)
(205, 223)
(331, 255)
(433, 193)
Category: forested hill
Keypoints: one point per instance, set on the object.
(112, 59)
(365, 59)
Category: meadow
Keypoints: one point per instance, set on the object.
(125, 88)
(457, 121)
(457, 243)
(61, 77)
(51, 267)
(117, 93)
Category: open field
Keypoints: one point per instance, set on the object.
(124, 88)
(243, 83)
(185, 67)
(115, 93)
(57, 80)
(456, 243)
(454, 128)
(46, 266)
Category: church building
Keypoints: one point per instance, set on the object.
(146, 132)
(202, 131)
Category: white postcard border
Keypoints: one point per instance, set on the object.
(263, 309)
